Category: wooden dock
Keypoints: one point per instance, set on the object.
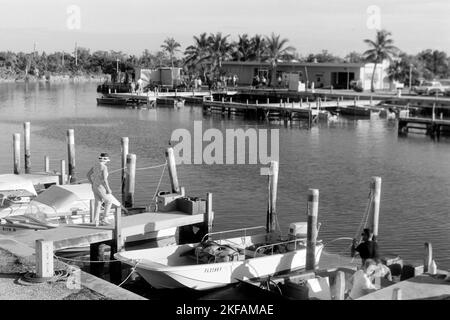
(424, 286)
(69, 236)
(429, 126)
(285, 109)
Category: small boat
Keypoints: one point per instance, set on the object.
(213, 264)
(358, 111)
(112, 101)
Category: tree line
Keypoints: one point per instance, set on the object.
(204, 58)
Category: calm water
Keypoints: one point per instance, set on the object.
(338, 159)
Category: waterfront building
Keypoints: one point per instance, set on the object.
(324, 75)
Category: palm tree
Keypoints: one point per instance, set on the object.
(258, 47)
(171, 46)
(381, 49)
(219, 50)
(197, 54)
(243, 48)
(276, 50)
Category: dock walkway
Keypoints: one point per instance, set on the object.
(424, 286)
(69, 236)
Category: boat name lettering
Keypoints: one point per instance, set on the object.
(215, 269)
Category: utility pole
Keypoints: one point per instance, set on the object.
(117, 69)
(76, 54)
(410, 76)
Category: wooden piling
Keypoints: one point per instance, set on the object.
(124, 149)
(170, 157)
(428, 257)
(71, 154)
(339, 286)
(62, 177)
(375, 187)
(209, 214)
(16, 153)
(287, 99)
(46, 164)
(397, 294)
(92, 210)
(118, 238)
(313, 211)
(268, 101)
(44, 259)
(26, 144)
(271, 205)
(130, 180)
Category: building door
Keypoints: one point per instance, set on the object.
(341, 80)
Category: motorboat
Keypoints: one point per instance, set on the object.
(216, 263)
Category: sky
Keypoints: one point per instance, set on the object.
(131, 26)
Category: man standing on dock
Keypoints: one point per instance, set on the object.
(368, 249)
(98, 177)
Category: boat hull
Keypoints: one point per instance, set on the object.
(214, 275)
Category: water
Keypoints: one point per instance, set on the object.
(338, 159)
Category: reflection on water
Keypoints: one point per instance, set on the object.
(337, 158)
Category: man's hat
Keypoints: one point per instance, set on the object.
(104, 157)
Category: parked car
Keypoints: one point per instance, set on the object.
(430, 88)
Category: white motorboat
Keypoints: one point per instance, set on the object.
(213, 264)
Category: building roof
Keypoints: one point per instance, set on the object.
(296, 64)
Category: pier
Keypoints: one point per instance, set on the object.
(428, 126)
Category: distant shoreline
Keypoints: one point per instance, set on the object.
(55, 78)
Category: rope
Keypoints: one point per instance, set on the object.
(84, 261)
(124, 168)
(132, 271)
(152, 167)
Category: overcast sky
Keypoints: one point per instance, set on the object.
(134, 25)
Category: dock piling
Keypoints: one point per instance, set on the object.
(271, 205)
(397, 294)
(44, 259)
(428, 258)
(130, 180)
(71, 154)
(26, 144)
(124, 149)
(339, 293)
(313, 211)
(62, 178)
(16, 153)
(46, 164)
(375, 187)
(209, 214)
(172, 170)
(92, 210)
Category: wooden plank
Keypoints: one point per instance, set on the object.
(420, 287)
(68, 236)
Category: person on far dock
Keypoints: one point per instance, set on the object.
(98, 177)
(368, 248)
